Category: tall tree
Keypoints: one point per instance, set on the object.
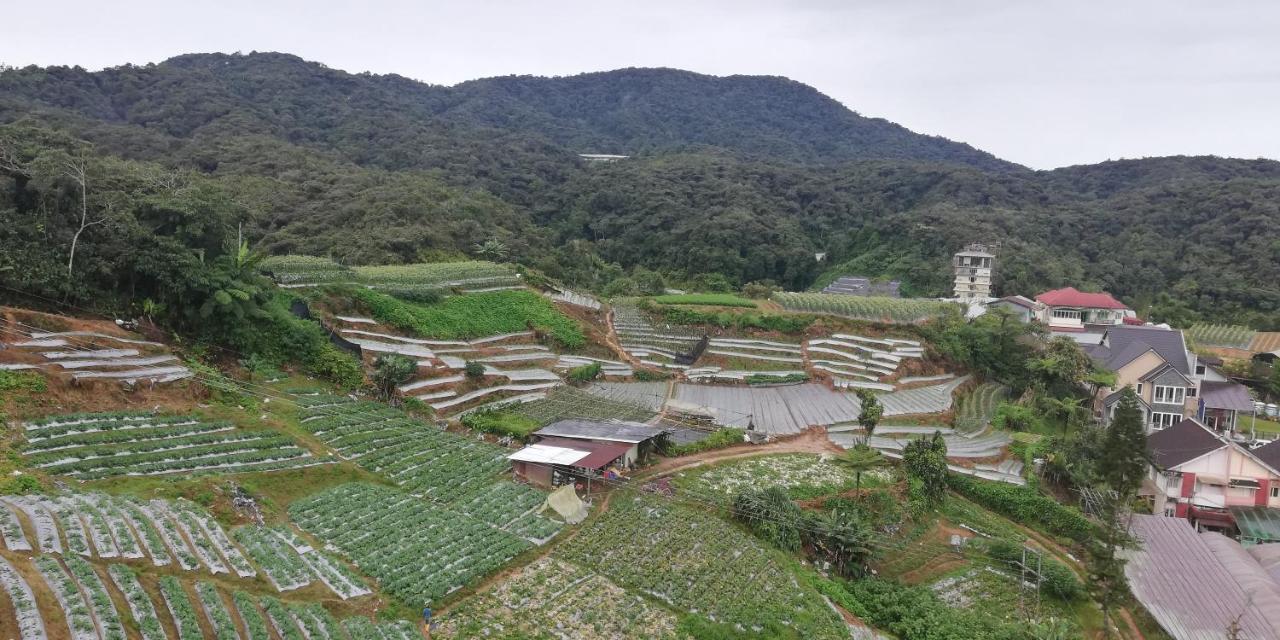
(1125, 458)
(869, 413)
(1121, 469)
(925, 460)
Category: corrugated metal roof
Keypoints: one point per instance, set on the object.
(1196, 587)
(1226, 395)
(547, 454)
(611, 430)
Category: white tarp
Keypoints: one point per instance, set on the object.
(565, 502)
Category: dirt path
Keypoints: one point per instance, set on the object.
(809, 441)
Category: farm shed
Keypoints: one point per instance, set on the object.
(1196, 584)
(554, 462)
(640, 438)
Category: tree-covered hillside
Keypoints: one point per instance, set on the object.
(732, 180)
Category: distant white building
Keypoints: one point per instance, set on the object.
(601, 157)
(974, 267)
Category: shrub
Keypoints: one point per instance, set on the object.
(1026, 506)
(474, 370)
(765, 378)
(644, 375)
(915, 613)
(22, 381)
(390, 370)
(724, 437)
(1056, 578)
(339, 366)
(585, 373)
(1015, 417)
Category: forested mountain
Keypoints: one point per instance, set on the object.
(732, 180)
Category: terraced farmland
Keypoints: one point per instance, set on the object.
(417, 554)
(656, 346)
(694, 561)
(976, 408)
(91, 446)
(83, 356)
(876, 309)
(447, 468)
(304, 271)
(1221, 335)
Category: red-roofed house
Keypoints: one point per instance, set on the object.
(1069, 309)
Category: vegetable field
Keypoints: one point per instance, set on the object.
(696, 562)
(555, 595)
(803, 473)
(303, 270)
(416, 552)
(299, 271)
(475, 316)
(1221, 335)
(895, 310)
(976, 408)
(426, 461)
(91, 446)
(707, 299)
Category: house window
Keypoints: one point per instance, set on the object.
(1066, 314)
(1170, 512)
(1191, 392)
(1162, 420)
(1200, 369)
(1275, 492)
(1169, 395)
(1139, 391)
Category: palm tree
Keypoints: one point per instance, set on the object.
(491, 249)
(1070, 410)
(859, 460)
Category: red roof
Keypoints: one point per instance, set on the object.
(1071, 297)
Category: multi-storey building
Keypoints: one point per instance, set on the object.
(974, 268)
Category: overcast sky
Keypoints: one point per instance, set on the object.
(1078, 82)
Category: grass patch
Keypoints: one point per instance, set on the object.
(475, 315)
(1246, 424)
(719, 439)
(707, 299)
(501, 422)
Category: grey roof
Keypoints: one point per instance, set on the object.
(611, 430)
(1195, 585)
(1225, 395)
(1269, 454)
(1122, 344)
(1181, 443)
(1021, 301)
(1161, 370)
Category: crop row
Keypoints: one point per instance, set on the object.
(417, 554)
(882, 309)
(141, 433)
(30, 624)
(1221, 335)
(98, 422)
(140, 605)
(423, 459)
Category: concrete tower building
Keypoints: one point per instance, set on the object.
(974, 267)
